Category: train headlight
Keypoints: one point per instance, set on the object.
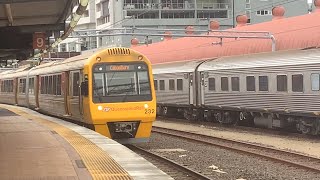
(140, 58)
(100, 108)
(146, 106)
(98, 59)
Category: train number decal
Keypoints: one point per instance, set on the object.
(149, 111)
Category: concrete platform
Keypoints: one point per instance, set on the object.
(35, 146)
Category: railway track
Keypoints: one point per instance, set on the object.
(282, 156)
(170, 167)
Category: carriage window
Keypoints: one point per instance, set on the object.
(155, 82)
(22, 86)
(179, 84)
(315, 79)
(212, 84)
(59, 84)
(31, 86)
(281, 82)
(235, 83)
(46, 84)
(263, 83)
(224, 84)
(171, 84)
(297, 83)
(50, 89)
(162, 85)
(43, 85)
(7, 86)
(75, 84)
(54, 85)
(251, 86)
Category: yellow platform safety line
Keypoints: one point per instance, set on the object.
(99, 163)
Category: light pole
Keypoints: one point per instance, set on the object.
(233, 20)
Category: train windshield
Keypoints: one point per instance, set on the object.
(121, 83)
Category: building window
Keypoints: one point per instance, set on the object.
(251, 86)
(315, 80)
(86, 13)
(179, 84)
(297, 83)
(155, 82)
(162, 87)
(281, 82)
(264, 13)
(224, 84)
(263, 83)
(171, 84)
(212, 84)
(235, 83)
(98, 7)
(63, 47)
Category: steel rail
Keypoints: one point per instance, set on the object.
(175, 133)
(183, 169)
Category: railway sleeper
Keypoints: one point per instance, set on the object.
(304, 125)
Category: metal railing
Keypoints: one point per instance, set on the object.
(138, 6)
(213, 6)
(176, 6)
(142, 6)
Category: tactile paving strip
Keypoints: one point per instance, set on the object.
(99, 163)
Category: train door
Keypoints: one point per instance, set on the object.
(203, 85)
(191, 80)
(36, 90)
(15, 90)
(74, 94)
(65, 92)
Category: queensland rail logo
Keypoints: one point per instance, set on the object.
(135, 108)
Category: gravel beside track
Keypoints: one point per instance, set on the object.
(290, 142)
(218, 163)
(171, 168)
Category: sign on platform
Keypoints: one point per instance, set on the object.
(39, 40)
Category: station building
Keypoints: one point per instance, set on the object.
(169, 14)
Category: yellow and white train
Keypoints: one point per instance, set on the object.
(111, 92)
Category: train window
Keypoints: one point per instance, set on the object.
(54, 85)
(59, 84)
(263, 83)
(22, 86)
(171, 84)
(251, 86)
(315, 79)
(179, 84)
(31, 86)
(212, 84)
(162, 87)
(42, 85)
(224, 84)
(50, 89)
(144, 87)
(155, 82)
(75, 84)
(297, 83)
(235, 83)
(46, 83)
(281, 82)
